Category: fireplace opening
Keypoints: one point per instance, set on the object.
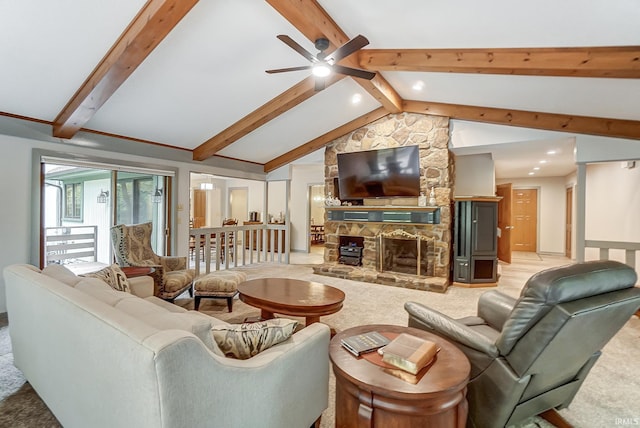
(402, 252)
(350, 250)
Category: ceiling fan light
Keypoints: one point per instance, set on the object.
(321, 70)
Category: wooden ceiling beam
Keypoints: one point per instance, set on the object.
(275, 107)
(318, 143)
(311, 20)
(617, 128)
(612, 62)
(152, 24)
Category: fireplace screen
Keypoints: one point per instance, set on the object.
(403, 252)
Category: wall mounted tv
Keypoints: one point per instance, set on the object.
(380, 173)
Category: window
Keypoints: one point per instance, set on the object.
(73, 201)
(134, 204)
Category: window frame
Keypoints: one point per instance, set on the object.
(76, 204)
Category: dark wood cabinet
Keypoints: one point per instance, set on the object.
(476, 241)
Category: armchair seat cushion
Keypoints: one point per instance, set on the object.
(177, 280)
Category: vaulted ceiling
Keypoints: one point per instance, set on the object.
(191, 74)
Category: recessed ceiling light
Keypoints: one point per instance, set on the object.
(356, 98)
(532, 173)
(536, 168)
(418, 86)
(551, 152)
(543, 161)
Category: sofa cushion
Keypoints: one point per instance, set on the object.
(171, 307)
(160, 318)
(100, 290)
(62, 274)
(113, 276)
(243, 341)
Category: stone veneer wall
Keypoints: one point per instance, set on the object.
(431, 135)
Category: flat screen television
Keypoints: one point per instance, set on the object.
(382, 173)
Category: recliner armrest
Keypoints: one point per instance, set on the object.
(495, 307)
(442, 325)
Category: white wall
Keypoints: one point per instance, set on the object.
(475, 175)
(316, 203)
(612, 206)
(255, 195)
(551, 210)
(15, 194)
(302, 176)
(277, 204)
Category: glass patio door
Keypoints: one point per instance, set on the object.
(80, 201)
(140, 198)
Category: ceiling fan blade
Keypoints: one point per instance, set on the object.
(284, 70)
(348, 48)
(296, 47)
(320, 83)
(356, 72)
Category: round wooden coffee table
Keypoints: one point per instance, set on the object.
(293, 297)
(368, 396)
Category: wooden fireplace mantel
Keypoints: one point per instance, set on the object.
(384, 214)
(379, 208)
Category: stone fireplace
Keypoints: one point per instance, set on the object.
(395, 224)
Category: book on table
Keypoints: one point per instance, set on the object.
(409, 353)
(363, 343)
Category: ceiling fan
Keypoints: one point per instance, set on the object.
(322, 64)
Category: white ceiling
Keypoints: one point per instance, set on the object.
(208, 73)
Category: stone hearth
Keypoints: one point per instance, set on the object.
(431, 135)
(385, 278)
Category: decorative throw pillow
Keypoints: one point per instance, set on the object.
(243, 341)
(113, 276)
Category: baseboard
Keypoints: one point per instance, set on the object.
(475, 284)
(550, 253)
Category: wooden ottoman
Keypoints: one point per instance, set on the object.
(218, 285)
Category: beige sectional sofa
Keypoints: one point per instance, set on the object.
(105, 358)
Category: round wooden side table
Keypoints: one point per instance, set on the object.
(367, 396)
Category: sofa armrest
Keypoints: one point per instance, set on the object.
(495, 307)
(285, 385)
(428, 319)
(141, 286)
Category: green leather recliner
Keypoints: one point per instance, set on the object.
(531, 354)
